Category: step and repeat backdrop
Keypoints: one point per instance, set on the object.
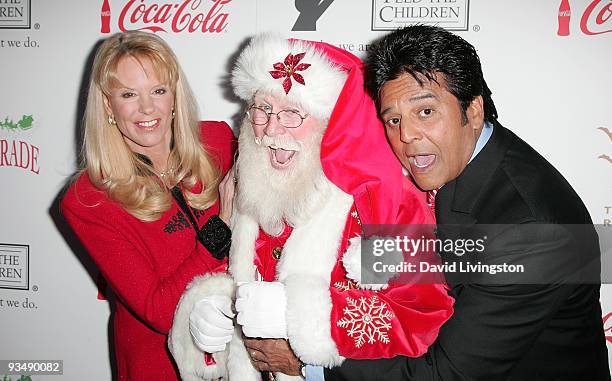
(547, 63)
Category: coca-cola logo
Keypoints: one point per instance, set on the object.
(597, 18)
(189, 16)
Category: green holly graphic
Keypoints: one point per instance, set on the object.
(22, 378)
(25, 123)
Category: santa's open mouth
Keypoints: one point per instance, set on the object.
(280, 158)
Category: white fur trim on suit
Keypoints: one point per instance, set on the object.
(242, 252)
(351, 261)
(305, 268)
(308, 320)
(188, 357)
(239, 363)
(242, 268)
(323, 79)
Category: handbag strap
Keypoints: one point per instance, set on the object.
(180, 199)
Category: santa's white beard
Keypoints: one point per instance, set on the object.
(274, 196)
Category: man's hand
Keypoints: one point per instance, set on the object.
(274, 355)
(261, 309)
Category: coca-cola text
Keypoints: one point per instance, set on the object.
(184, 16)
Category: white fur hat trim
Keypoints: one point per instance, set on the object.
(323, 79)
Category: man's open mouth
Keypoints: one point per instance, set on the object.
(421, 163)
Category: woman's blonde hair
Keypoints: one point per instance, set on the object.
(113, 167)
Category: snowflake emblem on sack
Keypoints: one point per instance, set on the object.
(366, 319)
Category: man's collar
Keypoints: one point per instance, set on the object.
(485, 135)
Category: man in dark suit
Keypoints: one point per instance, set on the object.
(542, 324)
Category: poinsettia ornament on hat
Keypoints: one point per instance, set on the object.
(288, 69)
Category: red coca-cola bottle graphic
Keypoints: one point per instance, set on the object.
(105, 14)
(564, 18)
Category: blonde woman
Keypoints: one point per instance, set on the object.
(146, 205)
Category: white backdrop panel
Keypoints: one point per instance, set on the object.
(551, 90)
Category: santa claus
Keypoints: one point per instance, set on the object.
(314, 165)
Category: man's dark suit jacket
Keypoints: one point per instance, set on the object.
(528, 330)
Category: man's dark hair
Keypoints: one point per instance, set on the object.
(422, 50)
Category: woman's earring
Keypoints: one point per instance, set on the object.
(111, 120)
(173, 114)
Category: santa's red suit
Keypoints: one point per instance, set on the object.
(329, 314)
(364, 324)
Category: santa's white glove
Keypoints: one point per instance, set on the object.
(261, 309)
(211, 324)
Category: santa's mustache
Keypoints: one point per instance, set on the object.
(285, 142)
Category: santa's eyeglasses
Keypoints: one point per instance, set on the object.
(259, 116)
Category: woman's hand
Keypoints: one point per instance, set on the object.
(227, 188)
